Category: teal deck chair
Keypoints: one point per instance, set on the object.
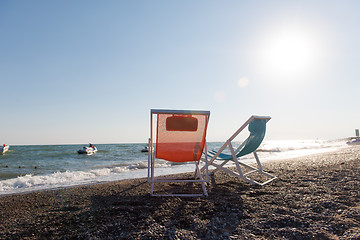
(257, 128)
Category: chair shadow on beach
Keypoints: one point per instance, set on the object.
(133, 213)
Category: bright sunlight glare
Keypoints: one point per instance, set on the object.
(288, 53)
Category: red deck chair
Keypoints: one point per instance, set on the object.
(180, 138)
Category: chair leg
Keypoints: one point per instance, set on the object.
(258, 161)
(221, 165)
(165, 179)
(201, 179)
(244, 176)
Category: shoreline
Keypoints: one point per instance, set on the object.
(298, 154)
(315, 196)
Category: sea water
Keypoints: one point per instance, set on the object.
(33, 168)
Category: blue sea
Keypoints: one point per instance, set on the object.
(33, 168)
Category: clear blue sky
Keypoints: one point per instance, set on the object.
(90, 71)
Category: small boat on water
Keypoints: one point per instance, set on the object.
(88, 150)
(145, 149)
(4, 148)
(354, 142)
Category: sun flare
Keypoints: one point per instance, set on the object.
(288, 53)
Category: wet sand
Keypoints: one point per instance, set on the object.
(314, 197)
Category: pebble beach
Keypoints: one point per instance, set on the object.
(314, 197)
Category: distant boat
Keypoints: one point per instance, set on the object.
(88, 150)
(354, 142)
(4, 149)
(145, 149)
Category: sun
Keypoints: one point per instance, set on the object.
(288, 53)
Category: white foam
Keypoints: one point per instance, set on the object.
(30, 182)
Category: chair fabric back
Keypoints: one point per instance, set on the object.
(180, 137)
(257, 129)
